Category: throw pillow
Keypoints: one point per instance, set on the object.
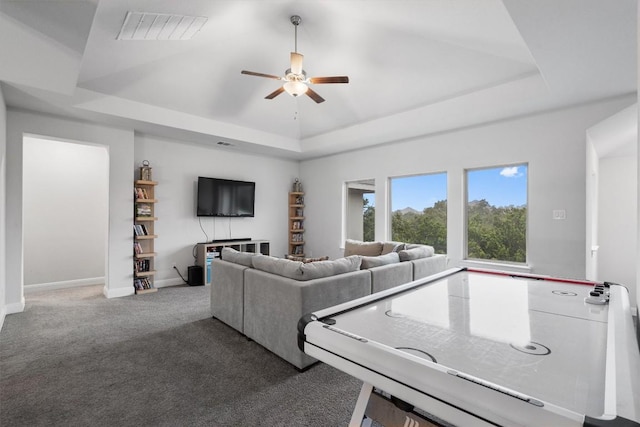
(242, 258)
(279, 266)
(306, 260)
(392, 247)
(377, 261)
(416, 252)
(317, 270)
(356, 247)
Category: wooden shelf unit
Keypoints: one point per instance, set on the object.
(144, 236)
(207, 252)
(296, 224)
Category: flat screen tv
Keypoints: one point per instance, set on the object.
(225, 197)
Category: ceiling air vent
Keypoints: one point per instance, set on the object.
(160, 26)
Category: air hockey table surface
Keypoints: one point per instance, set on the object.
(480, 347)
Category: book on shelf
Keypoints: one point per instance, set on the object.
(140, 230)
(142, 283)
(137, 248)
(142, 265)
(141, 193)
(143, 209)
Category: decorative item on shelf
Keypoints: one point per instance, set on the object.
(297, 186)
(145, 171)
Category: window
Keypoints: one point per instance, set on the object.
(419, 210)
(497, 213)
(360, 210)
(369, 217)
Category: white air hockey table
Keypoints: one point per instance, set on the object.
(478, 347)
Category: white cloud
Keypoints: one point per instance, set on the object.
(510, 172)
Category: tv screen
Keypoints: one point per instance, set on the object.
(225, 197)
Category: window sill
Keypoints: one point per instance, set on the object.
(496, 265)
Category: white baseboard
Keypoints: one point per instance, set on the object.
(16, 307)
(118, 292)
(64, 284)
(3, 314)
(168, 282)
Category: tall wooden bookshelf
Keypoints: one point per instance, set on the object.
(144, 236)
(296, 223)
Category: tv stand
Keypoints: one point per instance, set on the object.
(240, 239)
(207, 252)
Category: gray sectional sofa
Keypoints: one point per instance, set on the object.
(263, 297)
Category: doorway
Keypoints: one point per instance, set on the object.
(65, 212)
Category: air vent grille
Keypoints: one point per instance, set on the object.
(160, 26)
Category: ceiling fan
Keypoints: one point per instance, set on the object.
(295, 78)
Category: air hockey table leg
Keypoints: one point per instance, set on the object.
(361, 405)
(373, 406)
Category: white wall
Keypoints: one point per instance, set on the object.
(592, 197)
(65, 201)
(617, 221)
(3, 180)
(553, 144)
(119, 275)
(176, 166)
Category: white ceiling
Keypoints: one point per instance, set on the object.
(415, 67)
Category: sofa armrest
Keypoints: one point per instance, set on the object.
(273, 305)
(227, 293)
(424, 267)
(390, 275)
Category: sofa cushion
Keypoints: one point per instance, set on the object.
(356, 247)
(279, 266)
(416, 252)
(298, 270)
(242, 258)
(391, 247)
(377, 261)
(317, 270)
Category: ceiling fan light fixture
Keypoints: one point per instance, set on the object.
(295, 78)
(295, 88)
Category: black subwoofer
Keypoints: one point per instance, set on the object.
(194, 273)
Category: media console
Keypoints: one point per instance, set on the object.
(207, 252)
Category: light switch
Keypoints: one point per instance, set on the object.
(559, 214)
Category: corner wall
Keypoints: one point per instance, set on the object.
(553, 144)
(3, 186)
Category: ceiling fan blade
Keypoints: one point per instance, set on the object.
(313, 95)
(252, 73)
(334, 79)
(275, 93)
(296, 62)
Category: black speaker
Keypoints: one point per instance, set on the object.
(194, 273)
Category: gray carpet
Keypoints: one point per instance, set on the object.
(74, 358)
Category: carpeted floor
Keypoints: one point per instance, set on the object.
(75, 358)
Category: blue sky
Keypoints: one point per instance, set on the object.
(503, 186)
